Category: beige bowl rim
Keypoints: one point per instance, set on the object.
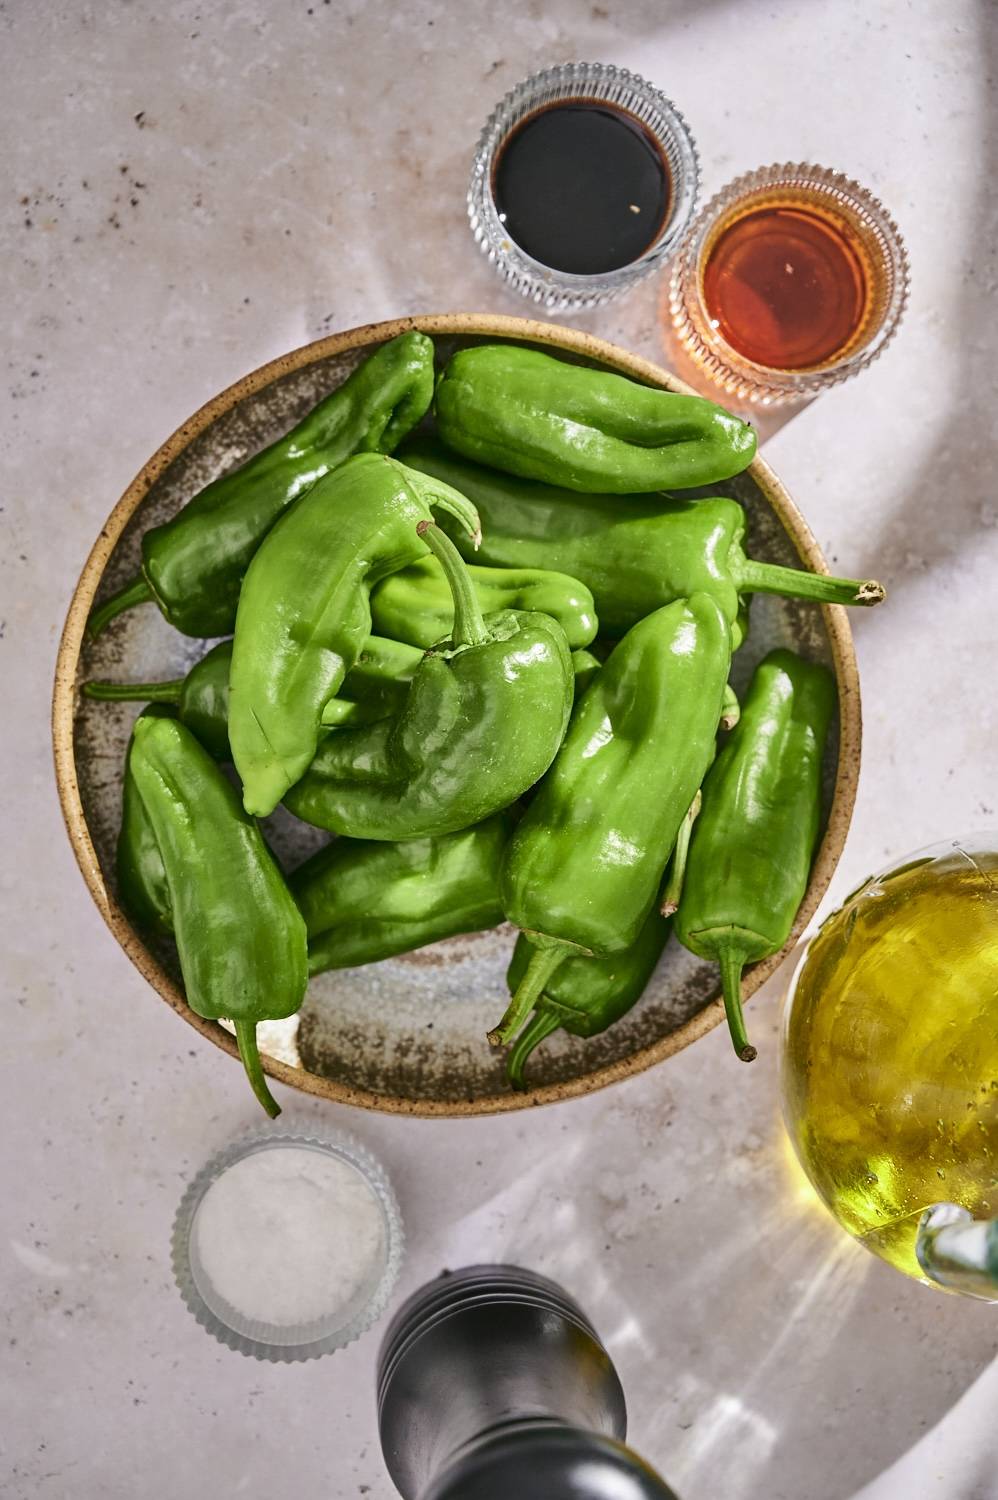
(479, 325)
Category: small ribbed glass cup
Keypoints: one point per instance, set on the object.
(563, 291)
(801, 185)
(288, 1342)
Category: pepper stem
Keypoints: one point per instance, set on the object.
(732, 962)
(677, 868)
(135, 692)
(543, 964)
(136, 592)
(436, 495)
(469, 623)
(753, 577)
(544, 1022)
(250, 1054)
(731, 709)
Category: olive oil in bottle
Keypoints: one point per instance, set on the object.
(890, 1060)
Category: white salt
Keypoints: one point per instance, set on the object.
(290, 1235)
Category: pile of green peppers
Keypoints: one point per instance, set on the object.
(493, 661)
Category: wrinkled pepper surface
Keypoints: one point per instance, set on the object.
(240, 937)
(584, 865)
(634, 558)
(305, 613)
(527, 413)
(415, 605)
(193, 565)
(485, 715)
(374, 687)
(585, 666)
(585, 995)
(364, 900)
(142, 884)
(752, 845)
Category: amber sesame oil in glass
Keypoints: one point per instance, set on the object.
(791, 279)
(890, 1061)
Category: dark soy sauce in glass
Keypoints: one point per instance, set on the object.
(582, 187)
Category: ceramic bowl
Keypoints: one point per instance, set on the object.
(407, 1035)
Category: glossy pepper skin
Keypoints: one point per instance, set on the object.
(584, 666)
(526, 413)
(143, 888)
(485, 715)
(240, 936)
(304, 610)
(415, 605)
(752, 845)
(192, 566)
(374, 687)
(364, 901)
(585, 995)
(634, 558)
(585, 864)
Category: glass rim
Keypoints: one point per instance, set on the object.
(339, 1144)
(601, 81)
(733, 372)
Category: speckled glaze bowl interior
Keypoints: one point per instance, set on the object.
(407, 1035)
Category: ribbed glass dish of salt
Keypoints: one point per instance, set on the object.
(287, 1244)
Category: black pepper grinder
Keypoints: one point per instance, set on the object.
(492, 1384)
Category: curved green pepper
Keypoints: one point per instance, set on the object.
(374, 687)
(240, 936)
(740, 624)
(485, 715)
(193, 565)
(635, 558)
(143, 888)
(585, 864)
(752, 845)
(415, 605)
(304, 610)
(364, 900)
(522, 411)
(584, 666)
(586, 995)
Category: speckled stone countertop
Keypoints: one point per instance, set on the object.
(192, 189)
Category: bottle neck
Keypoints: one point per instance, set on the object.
(959, 1252)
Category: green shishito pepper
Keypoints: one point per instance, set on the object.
(585, 864)
(586, 995)
(364, 900)
(193, 565)
(635, 557)
(304, 610)
(526, 413)
(241, 938)
(585, 667)
(416, 605)
(485, 715)
(752, 845)
(142, 884)
(374, 687)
